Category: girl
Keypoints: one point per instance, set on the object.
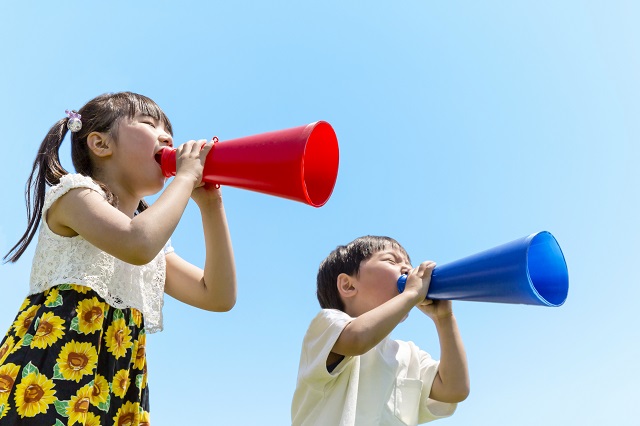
(76, 351)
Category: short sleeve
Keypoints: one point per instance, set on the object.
(430, 408)
(322, 334)
(168, 248)
(67, 183)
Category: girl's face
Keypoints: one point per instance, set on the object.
(138, 140)
(377, 279)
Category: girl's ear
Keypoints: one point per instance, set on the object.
(345, 286)
(100, 144)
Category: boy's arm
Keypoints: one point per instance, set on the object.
(451, 383)
(369, 328)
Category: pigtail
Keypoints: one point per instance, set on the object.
(46, 170)
(100, 114)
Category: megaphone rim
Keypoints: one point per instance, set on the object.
(565, 272)
(312, 198)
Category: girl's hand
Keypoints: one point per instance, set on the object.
(190, 159)
(206, 193)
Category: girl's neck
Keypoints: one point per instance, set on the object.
(127, 202)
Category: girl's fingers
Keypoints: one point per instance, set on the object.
(195, 147)
(206, 146)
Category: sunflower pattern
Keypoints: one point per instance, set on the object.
(71, 359)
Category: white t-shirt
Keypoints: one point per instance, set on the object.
(389, 385)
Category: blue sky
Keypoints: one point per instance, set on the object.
(462, 125)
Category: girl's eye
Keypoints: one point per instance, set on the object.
(150, 123)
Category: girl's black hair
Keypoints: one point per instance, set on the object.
(101, 114)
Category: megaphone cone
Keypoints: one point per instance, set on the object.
(531, 270)
(299, 163)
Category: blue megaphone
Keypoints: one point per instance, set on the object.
(530, 270)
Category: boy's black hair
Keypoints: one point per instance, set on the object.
(347, 259)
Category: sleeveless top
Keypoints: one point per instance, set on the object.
(61, 260)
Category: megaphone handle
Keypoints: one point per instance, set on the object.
(215, 140)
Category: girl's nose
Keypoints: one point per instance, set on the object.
(166, 139)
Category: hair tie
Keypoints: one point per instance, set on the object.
(73, 123)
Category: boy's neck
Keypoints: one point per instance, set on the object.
(351, 310)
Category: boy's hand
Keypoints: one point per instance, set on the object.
(419, 279)
(436, 309)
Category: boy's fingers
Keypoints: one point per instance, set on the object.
(429, 266)
(424, 267)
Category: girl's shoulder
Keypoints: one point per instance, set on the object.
(68, 182)
(76, 180)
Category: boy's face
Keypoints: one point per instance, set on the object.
(376, 283)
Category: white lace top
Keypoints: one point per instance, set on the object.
(59, 260)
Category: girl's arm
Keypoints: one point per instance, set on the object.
(139, 239)
(451, 383)
(213, 289)
(136, 240)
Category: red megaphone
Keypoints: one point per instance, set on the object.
(300, 163)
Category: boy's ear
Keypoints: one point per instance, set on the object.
(100, 144)
(345, 286)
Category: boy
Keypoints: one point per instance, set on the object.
(351, 373)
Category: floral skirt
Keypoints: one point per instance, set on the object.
(70, 358)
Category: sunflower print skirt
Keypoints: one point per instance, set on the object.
(71, 359)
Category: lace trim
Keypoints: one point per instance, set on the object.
(61, 260)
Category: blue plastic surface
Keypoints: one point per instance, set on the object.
(530, 270)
